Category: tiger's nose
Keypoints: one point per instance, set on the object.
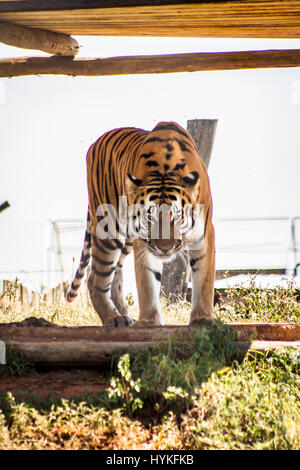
(165, 245)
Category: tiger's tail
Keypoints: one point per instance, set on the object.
(84, 262)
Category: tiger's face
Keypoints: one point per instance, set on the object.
(163, 211)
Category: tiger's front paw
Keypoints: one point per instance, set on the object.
(198, 318)
(201, 321)
(120, 321)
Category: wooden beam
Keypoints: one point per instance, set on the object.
(149, 64)
(34, 38)
(206, 18)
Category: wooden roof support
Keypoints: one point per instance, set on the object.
(149, 64)
(170, 18)
(34, 38)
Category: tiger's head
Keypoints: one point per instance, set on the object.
(164, 191)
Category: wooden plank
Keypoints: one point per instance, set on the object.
(233, 19)
(169, 63)
(34, 38)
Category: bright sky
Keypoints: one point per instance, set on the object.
(47, 124)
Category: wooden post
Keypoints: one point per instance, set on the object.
(24, 295)
(176, 273)
(34, 38)
(203, 132)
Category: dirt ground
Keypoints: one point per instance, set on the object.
(57, 382)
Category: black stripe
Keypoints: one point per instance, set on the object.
(152, 163)
(96, 243)
(155, 139)
(170, 127)
(108, 244)
(72, 294)
(73, 287)
(87, 237)
(182, 145)
(179, 166)
(104, 291)
(147, 155)
(102, 273)
(157, 274)
(206, 219)
(84, 260)
(118, 243)
(79, 275)
(194, 261)
(101, 261)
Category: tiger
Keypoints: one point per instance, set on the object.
(147, 170)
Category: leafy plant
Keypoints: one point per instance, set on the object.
(124, 388)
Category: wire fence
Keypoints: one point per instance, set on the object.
(241, 243)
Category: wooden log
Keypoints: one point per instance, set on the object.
(74, 353)
(169, 63)
(94, 346)
(91, 353)
(34, 38)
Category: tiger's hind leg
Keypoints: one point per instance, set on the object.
(105, 256)
(117, 293)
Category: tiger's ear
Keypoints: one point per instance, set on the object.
(134, 180)
(191, 179)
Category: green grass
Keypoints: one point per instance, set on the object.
(180, 394)
(253, 405)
